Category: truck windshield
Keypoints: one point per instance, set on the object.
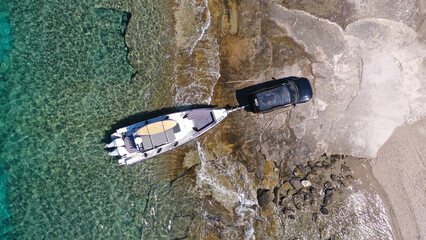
(293, 92)
(274, 97)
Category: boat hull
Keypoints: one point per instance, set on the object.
(153, 137)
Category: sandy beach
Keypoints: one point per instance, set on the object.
(400, 170)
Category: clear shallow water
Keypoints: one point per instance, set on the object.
(67, 83)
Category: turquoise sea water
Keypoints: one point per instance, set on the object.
(66, 83)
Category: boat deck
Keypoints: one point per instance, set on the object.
(129, 144)
(152, 137)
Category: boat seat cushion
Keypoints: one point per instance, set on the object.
(146, 142)
(201, 119)
(159, 139)
(170, 135)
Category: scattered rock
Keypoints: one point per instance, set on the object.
(326, 161)
(288, 168)
(324, 210)
(298, 172)
(299, 190)
(291, 192)
(323, 157)
(345, 168)
(220, 225)
(264, 197)
(308, 197)
(328, 200)
(314, 202)
(286, 186)
(311, 175)
(295, 182)
(277, 196)
(350, 177)
(288, 210)
(304, 190)
(326, 166)
(307, 169)
(298, 198)
(271, 176)
(285, 201)
(323, 233)
(345, 182)
(306, 183)
(314, 217)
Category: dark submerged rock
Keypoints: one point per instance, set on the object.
(324, 210)
(264, 197)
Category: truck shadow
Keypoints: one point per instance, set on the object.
(243, 94)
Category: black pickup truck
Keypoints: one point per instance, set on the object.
(285, 94)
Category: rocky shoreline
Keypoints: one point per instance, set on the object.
(309, 189)
(308, 183)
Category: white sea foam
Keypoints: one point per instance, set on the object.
(205, 26)
(370, 218)
(241, 195)
(197, 80)
(195, 77)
